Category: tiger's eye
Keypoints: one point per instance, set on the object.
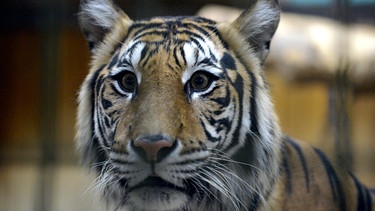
(129, 82)
(200, 81)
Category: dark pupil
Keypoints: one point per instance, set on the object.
(200, 81)
(129, 82)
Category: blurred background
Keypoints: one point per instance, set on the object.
(321, 71)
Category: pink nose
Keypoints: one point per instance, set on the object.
(153, 148)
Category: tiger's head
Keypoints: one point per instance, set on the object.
(174, 113)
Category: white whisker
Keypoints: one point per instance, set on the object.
(220, 156)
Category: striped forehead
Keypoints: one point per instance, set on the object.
(190, 42)
(167, 28)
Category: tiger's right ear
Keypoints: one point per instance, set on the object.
(96, 18)
(258, 25)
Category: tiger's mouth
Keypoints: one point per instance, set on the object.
(156, 182)
(155, 193)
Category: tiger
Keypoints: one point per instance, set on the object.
(175, 114)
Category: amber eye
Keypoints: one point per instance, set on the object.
(128, 82)
(200, 81)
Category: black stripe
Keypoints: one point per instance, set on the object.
(102, 129)
(288, 175)
(162, 33)
(201, 29)
(99, 92)
(121, 162)
(106, 103)
(182, 52)
(369, 199)
(93, 90)
(130, 51)
(254, 203)
(201, 20)
(253, 105)
(222, 124)
(98, 85)
(180, 18)
(208, 135)
(176, 57)
(112, 113)
(302, 159)
(239, 86)
(187, 162)
(101, 156)
(214, 30)
(213, 57)
(107, 122)
(144, 52)
(222, 101)
(191, 34)
(334, 181)
(196, 42)
(143, 26)
(364, 200)
(124, 63)
(228, 62)
(196, 56)
(95, 146)
(144, 60)
(114, 61)
(360, 198)
(247, 154)
(207, 30)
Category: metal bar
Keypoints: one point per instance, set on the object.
(49, 23)
(340, 92)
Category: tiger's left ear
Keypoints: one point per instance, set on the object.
(258, 25)
(97, 17)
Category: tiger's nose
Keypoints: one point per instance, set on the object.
(154, 148)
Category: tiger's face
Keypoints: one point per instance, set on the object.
(169, 105)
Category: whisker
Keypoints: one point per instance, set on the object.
(220, 156)
(239, 180)
(203, 188)
(230, 187)
(227, 181)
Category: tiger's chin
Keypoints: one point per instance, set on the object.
(155, 194)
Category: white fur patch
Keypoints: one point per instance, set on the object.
(189, 57)
(101, 12)
(157, 199)
(262, 16)
(191, 49)
(133, 57)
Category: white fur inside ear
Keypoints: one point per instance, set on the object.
(263, 15)
(101, 12)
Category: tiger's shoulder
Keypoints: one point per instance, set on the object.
(309, 179)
